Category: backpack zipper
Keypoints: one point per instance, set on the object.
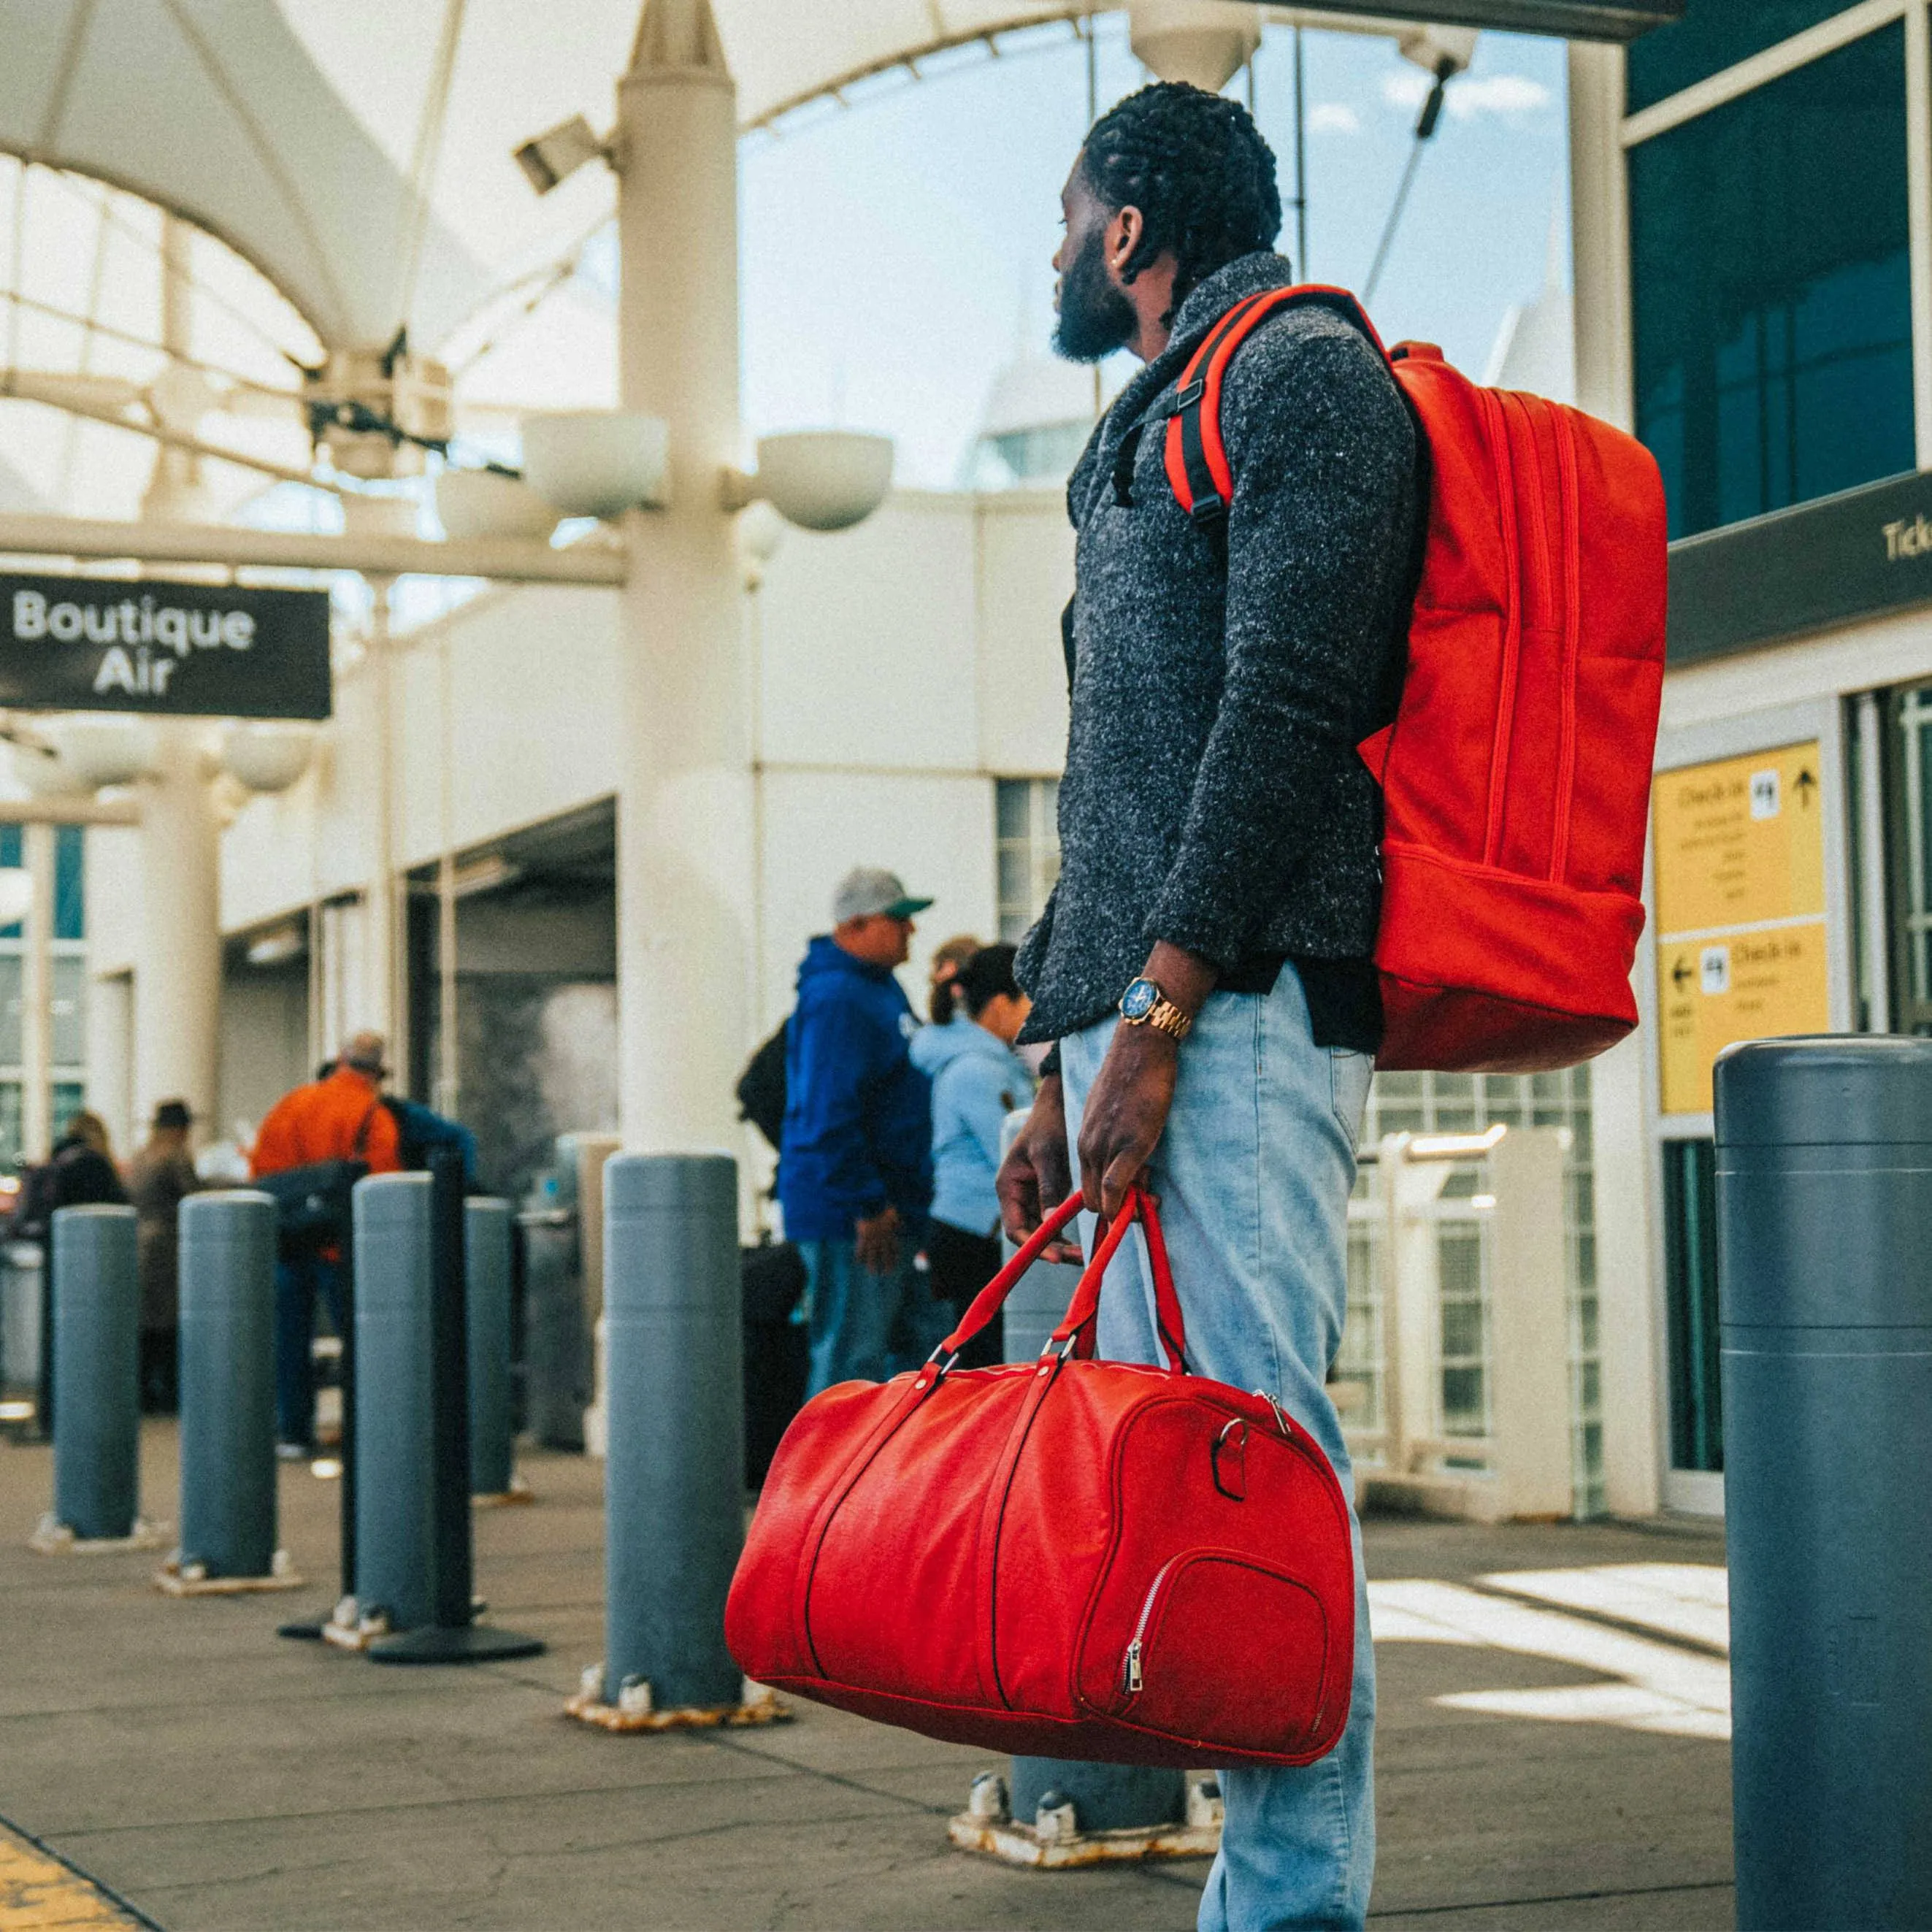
(1130, 1665)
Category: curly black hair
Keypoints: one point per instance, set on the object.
(1195, 165)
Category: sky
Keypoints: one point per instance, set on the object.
(895, 253)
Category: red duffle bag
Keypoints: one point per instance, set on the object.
(1067, 1557)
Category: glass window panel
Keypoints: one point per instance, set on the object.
(1771, 300)
(1462, 1329)
(70, 882)
(1462, 1401)
(70, 1003)
(1016, 884)
(10, 970)
(67, 1097)
(1010, 805)
(12, 1154)
(1712, 35)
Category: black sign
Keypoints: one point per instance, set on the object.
(1573, 20)
(1858, 554)
(92, 643)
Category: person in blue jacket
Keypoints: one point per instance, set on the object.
(977, 1081)
(855, 1160)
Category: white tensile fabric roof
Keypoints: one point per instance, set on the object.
(294, 129)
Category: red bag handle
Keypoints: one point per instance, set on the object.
(1076, 1328)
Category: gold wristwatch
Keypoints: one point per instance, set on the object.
(1144, 1004)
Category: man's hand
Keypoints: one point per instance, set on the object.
(1127, 1109)
(1126, 1112)
(878, 1241)
(1036, 1176)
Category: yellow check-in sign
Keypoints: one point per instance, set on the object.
(1739, 871)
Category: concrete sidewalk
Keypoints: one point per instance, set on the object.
(214, 1776)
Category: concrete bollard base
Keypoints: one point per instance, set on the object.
(1053, 1841)
(175, 1578)
(635, 1711)
(519, 1492)
(53, 1537)
(350, 1627)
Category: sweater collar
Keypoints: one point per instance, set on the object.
(1234, 281)
(1205, 305)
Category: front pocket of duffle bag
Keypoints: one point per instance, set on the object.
(1228, 1650)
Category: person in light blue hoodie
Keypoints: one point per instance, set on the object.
(977, 1081)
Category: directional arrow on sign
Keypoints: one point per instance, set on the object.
(1807, 784)
(1681, 972)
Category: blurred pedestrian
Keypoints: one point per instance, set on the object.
(421, 1129)
(977, 1081)
(942, 971)
(160, 1176)
(855, 1171)
(329, 1128)
(78, 1172)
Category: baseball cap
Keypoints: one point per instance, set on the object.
(872, 889)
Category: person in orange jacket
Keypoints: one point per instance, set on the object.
(341, 1117)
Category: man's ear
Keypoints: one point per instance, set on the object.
(1123, 237)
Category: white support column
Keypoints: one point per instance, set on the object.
(177, 966)
(1411, 1303)
(1600, 233)
(37, 993)
(1529, 1326)
(382, 971)
(685, 885)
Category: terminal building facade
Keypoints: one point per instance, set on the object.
(1752, 205)
(1752, 224)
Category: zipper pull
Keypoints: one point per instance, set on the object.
(1134, 1666)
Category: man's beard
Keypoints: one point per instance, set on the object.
(1095, 318)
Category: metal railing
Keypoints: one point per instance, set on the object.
(1456, 1391)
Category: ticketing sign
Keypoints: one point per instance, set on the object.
(97, 643)
(1739, 870)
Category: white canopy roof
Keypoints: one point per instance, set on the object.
(294, 129)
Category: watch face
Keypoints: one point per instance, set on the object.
(1137, 1002)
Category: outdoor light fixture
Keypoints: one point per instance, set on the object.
(820, 479)
(16, 894)
(477, 504)
(103, 748)
(278, 945)
(42, 769)
(268, 755)
(553, 157)
(1202, 42)
(597, 463)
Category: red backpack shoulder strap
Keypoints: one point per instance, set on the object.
(1198, 470)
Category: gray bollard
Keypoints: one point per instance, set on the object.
(674, 1482)
(395, 1566)
(227, 1251)
(96, 1373)
(486, 1254)
(1105, 1797)
(1824, 1168)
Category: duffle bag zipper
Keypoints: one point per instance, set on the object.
(1131, 1678)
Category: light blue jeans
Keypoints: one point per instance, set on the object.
(1254, 1173)
(865, 1325)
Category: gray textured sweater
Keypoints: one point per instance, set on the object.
(1213, 796)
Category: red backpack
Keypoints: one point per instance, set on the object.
(1515, 778)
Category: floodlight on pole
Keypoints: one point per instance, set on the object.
(16, 894)
(1442, 53)
(823, 479)
(553, 157)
